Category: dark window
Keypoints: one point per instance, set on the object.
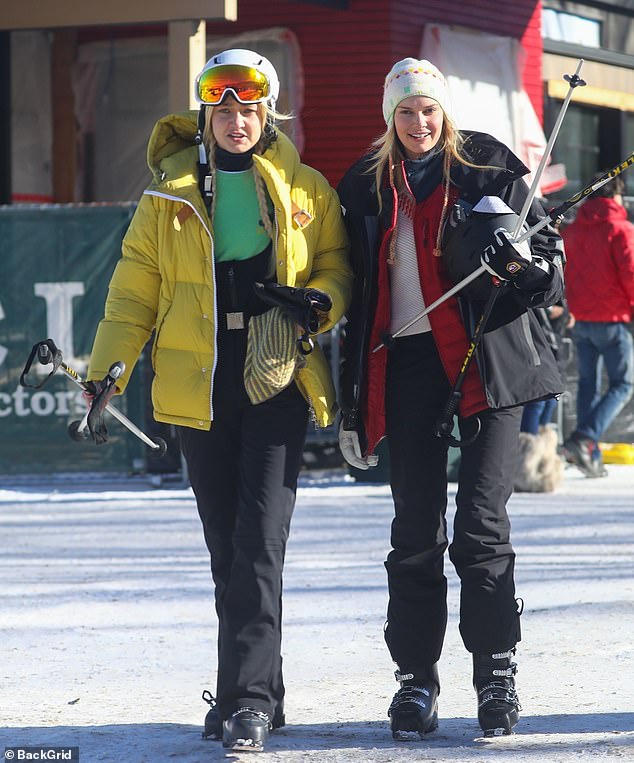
(590, 139)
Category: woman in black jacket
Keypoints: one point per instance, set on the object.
(427, 191)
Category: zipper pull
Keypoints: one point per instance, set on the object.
(232, 287)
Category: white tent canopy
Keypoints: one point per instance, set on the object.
(484, 76)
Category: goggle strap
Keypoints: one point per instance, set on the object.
(204, 178)
(201, 122)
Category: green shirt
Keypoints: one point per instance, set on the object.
(238, 230)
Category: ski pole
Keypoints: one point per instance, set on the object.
(454, 290)
(573, 81)
(556, 215)
(47, 352)
(444, 425)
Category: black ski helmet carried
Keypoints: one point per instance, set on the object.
(466, 233)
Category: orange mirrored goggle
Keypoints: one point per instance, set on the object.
(247, 85)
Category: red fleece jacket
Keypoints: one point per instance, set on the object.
(599, 273)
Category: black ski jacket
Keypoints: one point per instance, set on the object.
(515, 361)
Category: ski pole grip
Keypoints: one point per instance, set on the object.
(46, 352)
(116, 369)
(444, 425)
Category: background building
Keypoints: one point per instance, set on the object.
(81, 86)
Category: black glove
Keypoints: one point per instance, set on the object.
(98, 394)
(304, 306)
(505, 259)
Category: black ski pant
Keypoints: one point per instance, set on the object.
(244, 475)
(481, 551)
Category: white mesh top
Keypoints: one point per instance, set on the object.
(406, 294)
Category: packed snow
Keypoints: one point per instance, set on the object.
(108, 629)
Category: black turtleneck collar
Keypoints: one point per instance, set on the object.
(424, 175)
(230, 162)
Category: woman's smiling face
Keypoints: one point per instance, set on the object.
(418, 122)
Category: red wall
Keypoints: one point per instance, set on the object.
(531, 40)
(347, 53)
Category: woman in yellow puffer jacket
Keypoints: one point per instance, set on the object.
(231, 206)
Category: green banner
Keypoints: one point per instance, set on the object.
(55, 266)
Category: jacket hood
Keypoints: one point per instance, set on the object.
(172, 154)
(171, 135)
(600, 209)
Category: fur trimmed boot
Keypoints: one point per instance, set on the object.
(540, 468)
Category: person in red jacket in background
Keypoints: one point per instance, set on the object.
(600, 290)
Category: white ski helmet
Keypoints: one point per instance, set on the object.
(239, 72)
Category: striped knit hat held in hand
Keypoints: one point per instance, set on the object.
(411, 77)
(272, 355)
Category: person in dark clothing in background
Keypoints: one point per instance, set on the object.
(398, 201)
(600, 290)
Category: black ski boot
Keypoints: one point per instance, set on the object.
(494, 682)
(247, 730)
(414, 709)
(213, 721)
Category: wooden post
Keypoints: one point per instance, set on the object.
(64, 153)
(186, 57)
(5, 122)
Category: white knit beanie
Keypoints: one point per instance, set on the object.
(411, 77)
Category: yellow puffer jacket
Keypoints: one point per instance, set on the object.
(165, 281)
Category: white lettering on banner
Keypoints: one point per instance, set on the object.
(59, 315)
(63, 403)
(3, 350)
(19, 396)
(42, 404)
(24, 403)
(5, 401)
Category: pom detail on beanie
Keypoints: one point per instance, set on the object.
(411, 77)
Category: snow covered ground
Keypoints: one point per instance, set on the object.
(108, 631)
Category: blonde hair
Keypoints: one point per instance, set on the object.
(268, 117)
